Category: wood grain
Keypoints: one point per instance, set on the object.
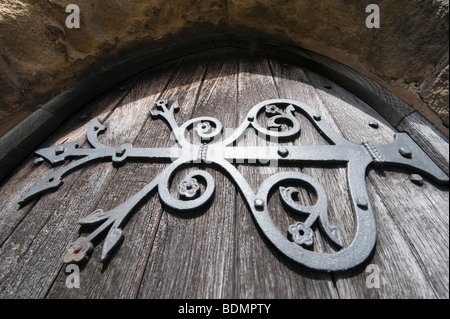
(431, 140)
(123, 281)
(218, 251)
(196, 246)
(400, 220)
(262, 271)
(18, 226)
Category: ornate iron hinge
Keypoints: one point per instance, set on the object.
(215, 151)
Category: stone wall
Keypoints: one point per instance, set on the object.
(40, 57)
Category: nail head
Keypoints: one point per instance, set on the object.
(406, 153)
(416, 179)
(362, 203)
(259, 204)
(374, 124)
(283, 151)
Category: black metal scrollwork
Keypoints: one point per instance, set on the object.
(223, 153)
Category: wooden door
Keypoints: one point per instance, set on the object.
(218, 251)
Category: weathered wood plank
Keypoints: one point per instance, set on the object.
(211, 258)
(172, 268)
(26, 174)
(262, 271)
(294, 84)
(48, 224)
(421, 216)
(121, 277)
(399, 218)
(218, 252)
(430, 139)
(197, 246)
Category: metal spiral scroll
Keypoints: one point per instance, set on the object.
(189, 190)
(209, 150)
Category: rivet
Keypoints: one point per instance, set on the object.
(59, 150)
(38, 161)
(283, 151)
(100, 212)
(374, 124)
(77, 248)
(416, 179)
(250, 118)
(120, 151)
(406, 153)
(362, 203)
(259, 204)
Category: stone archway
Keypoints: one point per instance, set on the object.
(40, 57)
